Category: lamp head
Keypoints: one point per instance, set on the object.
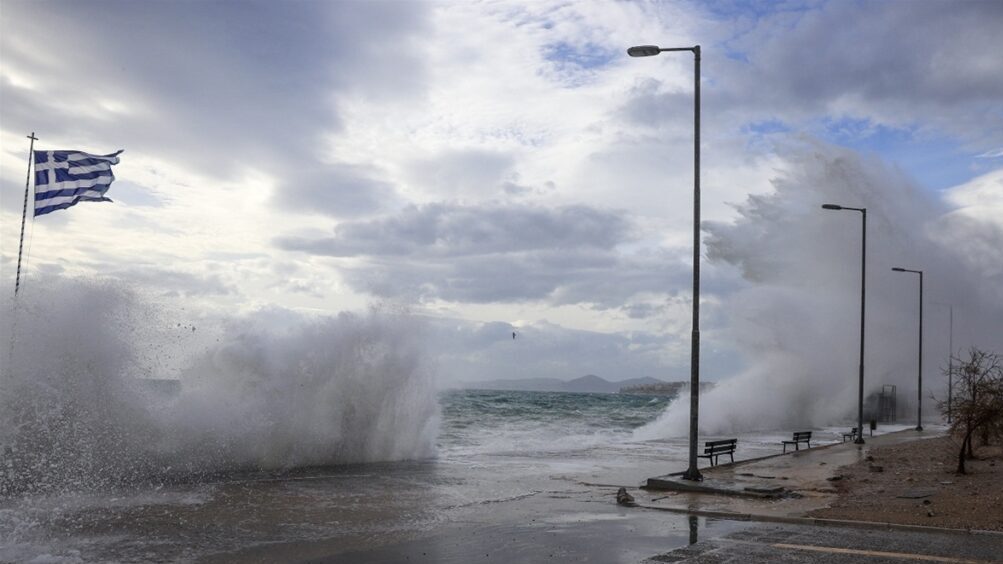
(831, 207)
(644, 51)
(897, 269)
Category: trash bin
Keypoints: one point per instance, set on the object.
(874, 425)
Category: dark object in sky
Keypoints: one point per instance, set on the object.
(513, 334)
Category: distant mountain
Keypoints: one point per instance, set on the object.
(586, 384)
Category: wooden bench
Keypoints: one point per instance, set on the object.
(714, 449)
(799, 437)
(851, 435)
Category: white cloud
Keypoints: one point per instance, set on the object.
(553, 172)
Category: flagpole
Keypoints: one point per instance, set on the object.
(24, 212)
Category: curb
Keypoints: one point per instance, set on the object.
(818, 522)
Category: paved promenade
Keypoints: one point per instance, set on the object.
(787, 485)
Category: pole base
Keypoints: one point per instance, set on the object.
(692, 474)
(859, 441)
(919, 427)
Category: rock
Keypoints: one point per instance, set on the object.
(624, 498)
(946, 483)
(927, 502)
(821, 463)
(835, 478)
(869, 458)
(875, 468)
(929, 513)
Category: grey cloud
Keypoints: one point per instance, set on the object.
(469, 351)
(485, 254)
(335, 190)
(451, 230)
(462, 172)
(219, 86)
(648, 105)
(930, 64)
(173, 282)
(911, 62)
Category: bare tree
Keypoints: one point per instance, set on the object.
(977, 406)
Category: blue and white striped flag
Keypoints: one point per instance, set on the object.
(63, 178)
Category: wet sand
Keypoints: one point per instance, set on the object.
(919, 486)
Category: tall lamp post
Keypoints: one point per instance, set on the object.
(692, 473)
(919, 396)
(950, 366)
(863, 293)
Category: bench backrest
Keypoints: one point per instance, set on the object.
(720, 449)
(723, 442)
(802, 435)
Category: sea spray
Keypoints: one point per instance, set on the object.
(77, 411)
(796, 319)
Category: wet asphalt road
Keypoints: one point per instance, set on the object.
(800, 543)
(617, 535)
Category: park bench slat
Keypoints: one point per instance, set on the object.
(799, 437)
(714, 449)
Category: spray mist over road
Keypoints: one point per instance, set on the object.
(271, 390)
(796, 321)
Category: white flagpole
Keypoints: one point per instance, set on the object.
(24, 212)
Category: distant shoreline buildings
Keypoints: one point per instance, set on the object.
(664, 388)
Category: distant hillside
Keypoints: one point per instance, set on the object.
(586, 384)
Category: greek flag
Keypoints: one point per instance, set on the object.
(63, 178)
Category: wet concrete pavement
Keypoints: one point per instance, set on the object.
(809, 544)
(583, 524)
(791, 484)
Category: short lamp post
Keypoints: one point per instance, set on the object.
(863, 293)
(919, 393)
(692, 473)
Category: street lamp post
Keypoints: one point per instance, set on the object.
(950, 365)
(692, 473)
(863, 293)
(919, 396)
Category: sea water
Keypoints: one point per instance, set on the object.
(282, 429)
(497, 453)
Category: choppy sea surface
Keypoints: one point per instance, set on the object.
(489, 421)
(503, 459)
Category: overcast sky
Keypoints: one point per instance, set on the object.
(492, 165)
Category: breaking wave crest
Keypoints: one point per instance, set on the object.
(795, 320)
(84, 403)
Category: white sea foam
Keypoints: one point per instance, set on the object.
(797, 319)
(255, 393)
